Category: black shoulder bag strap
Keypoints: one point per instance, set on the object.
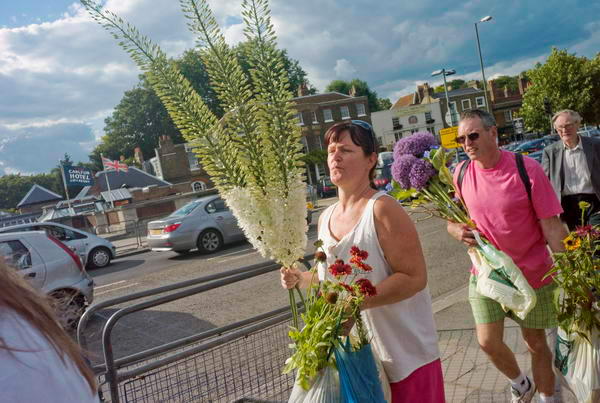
(520, 167)
(523, 174)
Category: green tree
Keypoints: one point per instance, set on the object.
(452, 85)
(568, 82)
(14, 187)
(361, 88)
(384, 103)
(512, 82)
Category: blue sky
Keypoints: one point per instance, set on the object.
(61, 75)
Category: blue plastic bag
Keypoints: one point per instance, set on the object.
(359, 378)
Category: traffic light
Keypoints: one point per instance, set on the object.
(547, 106)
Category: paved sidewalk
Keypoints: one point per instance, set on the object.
(468, 374)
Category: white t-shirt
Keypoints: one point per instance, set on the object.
(36, 374)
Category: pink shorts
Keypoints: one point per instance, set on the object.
(424, 385)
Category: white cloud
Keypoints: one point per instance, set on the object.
(344, 69)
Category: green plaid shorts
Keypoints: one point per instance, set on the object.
(542, 316)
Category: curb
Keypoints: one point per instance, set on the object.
(450, 298)
(132, 252)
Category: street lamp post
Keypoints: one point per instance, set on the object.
(485, 94)
(445, 73)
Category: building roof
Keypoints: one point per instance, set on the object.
(38, 194)
(116, 195)
(406, 100)
(321, 98)
(134, 178)
(458, 93)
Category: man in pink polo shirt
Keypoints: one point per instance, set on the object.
(499, 204)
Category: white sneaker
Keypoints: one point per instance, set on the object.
(525, 397)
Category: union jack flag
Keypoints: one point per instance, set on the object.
(110, 165)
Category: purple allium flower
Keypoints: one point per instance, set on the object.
(415, 144)
(401, 168)
(420, 174)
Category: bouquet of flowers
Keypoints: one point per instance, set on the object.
(576, 271)
(253, 152)
(332, 307)
(422, 178)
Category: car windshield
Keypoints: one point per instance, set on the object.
(187, 209)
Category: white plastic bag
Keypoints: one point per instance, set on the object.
(577, 363)
(500, 279)
(325, 389)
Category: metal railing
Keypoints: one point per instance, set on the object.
(222, 364)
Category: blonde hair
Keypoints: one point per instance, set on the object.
(18, 296)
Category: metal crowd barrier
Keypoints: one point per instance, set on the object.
(239, 362)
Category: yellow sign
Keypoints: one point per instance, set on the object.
(448, 137)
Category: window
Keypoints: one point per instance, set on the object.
(413, 120)
(198, 186)
(397, 136)
(396, 123)
(15, 254)
(453, 106)
(427, 116)
(508, 116)
(327, 117)
(480, 102)
(466, 104)
(314, 117)
(360, 110)
(345, 112)
(299, 116)
(60, 233)
(431, 130)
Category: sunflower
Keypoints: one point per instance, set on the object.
(571, 242)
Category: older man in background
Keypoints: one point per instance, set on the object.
(573, 166)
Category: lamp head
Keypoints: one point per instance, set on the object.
(486, 18)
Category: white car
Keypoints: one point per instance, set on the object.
(97, 251)
(52, 267)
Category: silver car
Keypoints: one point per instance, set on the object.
(52, 267)
(97, 251)
(205, 223)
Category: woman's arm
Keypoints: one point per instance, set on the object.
(399, 240)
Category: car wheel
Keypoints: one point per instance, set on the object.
(209, 241)
(69, 306)
(99, 257)
(182, 251)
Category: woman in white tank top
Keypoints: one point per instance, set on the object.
(399, 318)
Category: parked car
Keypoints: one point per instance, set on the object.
(589, 132)
(97, 252)
(52, 267)
(383, 176)
(534, 145)
(537, 156)
(205, 223)
(326, 188)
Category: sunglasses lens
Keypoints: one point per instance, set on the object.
(471, 136)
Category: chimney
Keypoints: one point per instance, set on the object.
(492, 91)
(139, 157)
(523, 84)
(302, 89)
(352, 91)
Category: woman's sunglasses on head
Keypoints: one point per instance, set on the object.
(472, 136)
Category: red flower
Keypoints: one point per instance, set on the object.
(583, 231)
(339, 268)
(357, 253)
(366, 287)
(364, 267)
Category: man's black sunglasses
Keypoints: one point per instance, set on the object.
(472, 136)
